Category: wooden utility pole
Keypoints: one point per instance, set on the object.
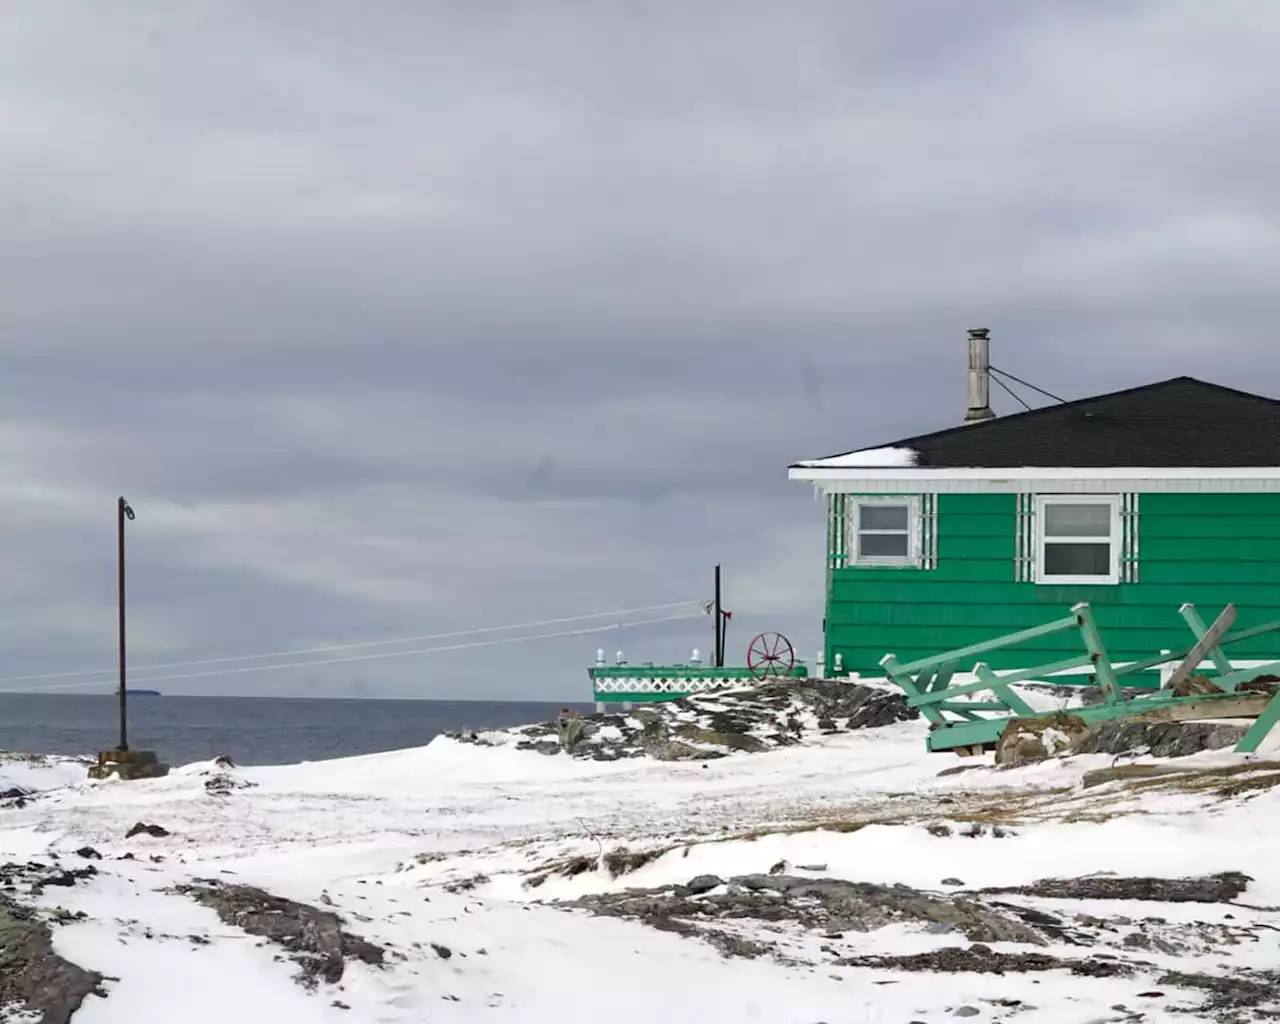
(123, 512)
(718, 649)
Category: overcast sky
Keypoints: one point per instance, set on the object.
(403, 318)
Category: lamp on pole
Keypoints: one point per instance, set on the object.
(123, 512)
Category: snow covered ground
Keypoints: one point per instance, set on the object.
(449, 857)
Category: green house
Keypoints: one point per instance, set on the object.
(1136, 502)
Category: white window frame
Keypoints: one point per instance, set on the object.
(912, 557)
(1112, 501)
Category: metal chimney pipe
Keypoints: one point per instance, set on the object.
(979, 376)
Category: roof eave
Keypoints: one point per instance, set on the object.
(818, 474)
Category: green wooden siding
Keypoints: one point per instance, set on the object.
(1210, 549)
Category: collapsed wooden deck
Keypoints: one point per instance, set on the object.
(968, 726)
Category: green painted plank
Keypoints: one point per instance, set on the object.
(1262, 726)
(1056, 626)
(977, 504)
(1227, 575)
(1207, 505)
(1212, 650)
(995, 617)
(963, 734)
(1193, 529)
(1101, 662)
(972, 641)
(636, 698)
(932, 588)
(1205, 549)
(1230, 680)
(983, 670)
(974, 547)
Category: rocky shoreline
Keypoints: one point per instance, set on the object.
(713, 725)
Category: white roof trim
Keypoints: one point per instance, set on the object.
(820, 474)
(1046, 481)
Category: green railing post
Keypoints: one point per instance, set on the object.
(1213, 648)
(1102, 669)
(1003, 691)
(1262, 725)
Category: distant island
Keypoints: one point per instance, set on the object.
(142, 693)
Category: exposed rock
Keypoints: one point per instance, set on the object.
(15, 797)
(1228, 993)
(982, 959)
(1025, 740)
(728, 740)
(224, 784)
(34, 978)
(824, 905)
(314, 937)
(703, 883)
(712, 725)
(142, 828)
(1265, 684)
(33, 877)
(1160, 739)
(1194, 686)
(1090, 695)
(1220, 888)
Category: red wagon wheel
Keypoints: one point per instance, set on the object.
(770, 656)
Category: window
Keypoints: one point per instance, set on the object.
(885, 531)
(1078, 539)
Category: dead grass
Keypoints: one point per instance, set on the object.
(1224, 780)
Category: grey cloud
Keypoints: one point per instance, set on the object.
(428, 316)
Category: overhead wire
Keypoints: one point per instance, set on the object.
(471, 645)
(1012, 394)
(1025, 384)
(330, 648)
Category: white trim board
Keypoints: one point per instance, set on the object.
(1031, 479)
(805, 471)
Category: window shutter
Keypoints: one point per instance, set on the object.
(837, 531)
(1129, 537)
(1024, 548)
(928, 531)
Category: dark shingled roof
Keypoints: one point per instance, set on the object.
(1173, 423)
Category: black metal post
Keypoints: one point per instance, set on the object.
(122, 511)
(719, 647)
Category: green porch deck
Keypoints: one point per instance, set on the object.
(961, 725)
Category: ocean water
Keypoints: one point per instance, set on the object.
(250, 730)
